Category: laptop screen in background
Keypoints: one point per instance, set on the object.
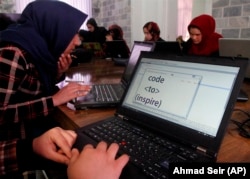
(234, 47)
(134, 56)
(188, 95)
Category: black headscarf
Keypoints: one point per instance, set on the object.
(92, 22)
(44, 30)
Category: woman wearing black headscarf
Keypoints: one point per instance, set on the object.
(96, 33)
(34, 54)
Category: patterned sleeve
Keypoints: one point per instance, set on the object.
(8, 159)
(17, 156)
(19, 88)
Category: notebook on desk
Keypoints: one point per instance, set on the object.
(103, 95)
(138, 46)
(175, 109)
(234, 47)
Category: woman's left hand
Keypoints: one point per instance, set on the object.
(55, 144)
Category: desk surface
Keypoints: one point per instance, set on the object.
(234, 148)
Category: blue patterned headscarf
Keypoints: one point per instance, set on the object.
(44, 31)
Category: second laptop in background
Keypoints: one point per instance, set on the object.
(116, 49)
(104, 95)
(233, 47)
(138, 46)
(168, 47)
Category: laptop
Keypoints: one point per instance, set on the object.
(113, 92)
(175, 109)
(116, 49)
(234, 47)
(138, 46)
(170, 47)
(94, 47)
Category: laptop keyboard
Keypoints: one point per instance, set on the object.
(150, 153)
(107, 92)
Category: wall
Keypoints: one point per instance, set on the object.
(6, 6)
(200, 7)
(108, 12)
(232, 18)
(132, 15)
(163, 12)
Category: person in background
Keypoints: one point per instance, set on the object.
(84, 35)
(152, 32)
(203, 38)
(34, 56)
(96, 33)
(115, 32)
(81, 55)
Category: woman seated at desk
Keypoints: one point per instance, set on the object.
(203, 38)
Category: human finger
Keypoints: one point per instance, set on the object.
(62, 142)
(112, 150)
(102, 146)
(59, 157)
(121, 162)
(82, 90)
(88, 146)
(70, 136)
(74, 155)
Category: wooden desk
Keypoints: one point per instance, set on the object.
(234, 148)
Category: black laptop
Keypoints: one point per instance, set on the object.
(175, 109)
(116, 49)
(138, 46)
(104, 95)
(234, 47)
(169, 47)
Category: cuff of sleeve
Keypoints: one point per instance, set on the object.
(25, 154)
(28, 160)
(50, 103)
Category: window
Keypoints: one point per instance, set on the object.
(84, 6)
(184, 17)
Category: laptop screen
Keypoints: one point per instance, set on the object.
(192, 95)
(134, 56)
(95, 46)
(117, 49)
(233, 47)
(170, 47)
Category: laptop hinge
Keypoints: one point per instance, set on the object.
(201, 149)
(122, 117)
(206, 152)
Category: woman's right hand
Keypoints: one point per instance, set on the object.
(98, 163)
(69, 92)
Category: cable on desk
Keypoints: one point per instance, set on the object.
(244, 127)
